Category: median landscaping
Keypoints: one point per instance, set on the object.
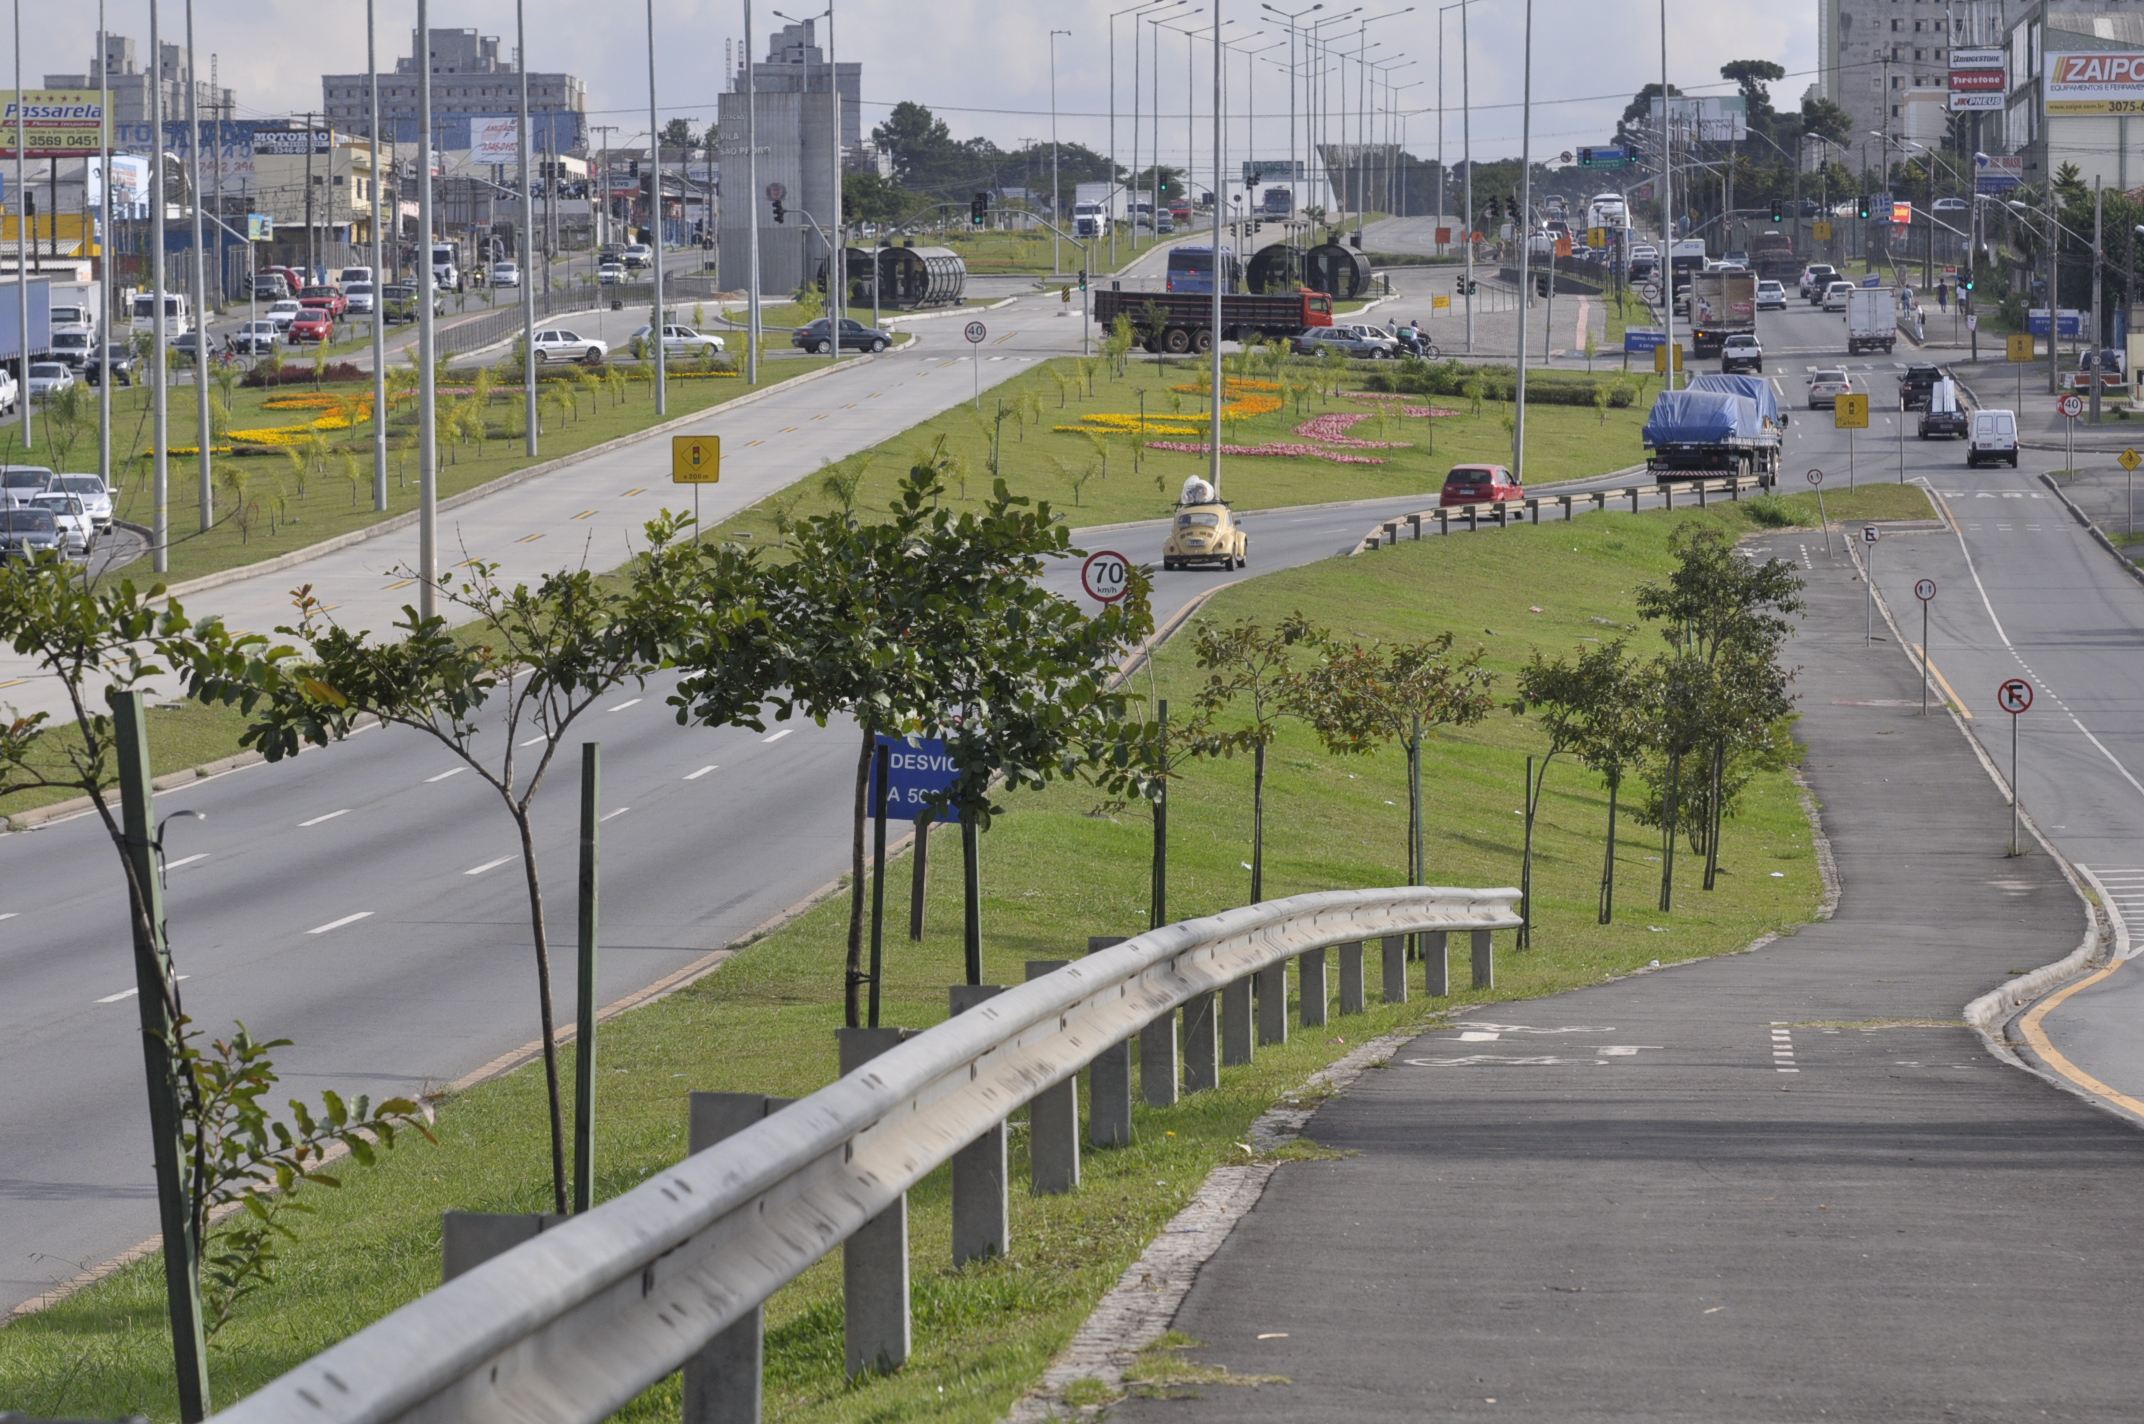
(1058, 866)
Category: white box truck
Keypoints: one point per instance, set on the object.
(1871, 320)
(1094, 207)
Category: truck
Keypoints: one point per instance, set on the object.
(75, 307)
(1277, 201)
(1177, 322)
(1708, 435)
(1773, 258)
(1094, 207)
(2108, 363)
(1871, 319)
(1722, 304)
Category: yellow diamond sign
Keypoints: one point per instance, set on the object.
(2018, 346)
(2131, 459)
(1850, 413)
(695, 459)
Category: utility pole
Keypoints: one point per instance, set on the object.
(206, 493)
(312, 254)
(1526, 243)
(427, 338)
(529, 415)
(159, 337)
(379, 272)
(655, 200)
(1466, 154)
(1056, 203)
(106, 144)
(2099, 331)
(1667, 197)
(22, 249)
(751, 198)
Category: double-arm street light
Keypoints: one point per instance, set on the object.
(1056, 206)
(1295, 156)
(1114, 188)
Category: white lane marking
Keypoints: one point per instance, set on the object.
(186, 860)
(338, 924)
(11, 914)
(488, 865)
(457, 771)
(1479, 1037)
(619, 812)
(1783, 1051)
(696, 775)
(2123, 901)
(629, 702)
(328, 817)
(532, 741)
(777, 736)
(129, 993)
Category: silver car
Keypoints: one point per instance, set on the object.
(19, 484)
(77, 532)
(360, 297)
(97, 499)
(25, 533)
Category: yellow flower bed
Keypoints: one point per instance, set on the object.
(1248, 399)
(337, 413)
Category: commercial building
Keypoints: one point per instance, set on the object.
(2076, 72)
(797, 136)
(131, 83)
(469, 81)
(1887, 62)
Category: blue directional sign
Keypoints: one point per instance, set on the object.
(1642, 339)
(916, 768)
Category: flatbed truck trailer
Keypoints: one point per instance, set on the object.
(1176, 322)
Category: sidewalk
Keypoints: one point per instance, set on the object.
(1798, 1187)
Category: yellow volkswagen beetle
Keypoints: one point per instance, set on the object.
(1206, 533)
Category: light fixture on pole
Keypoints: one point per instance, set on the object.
(1295, 156)
(1114, 187)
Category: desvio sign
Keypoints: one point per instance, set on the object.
(916, 768)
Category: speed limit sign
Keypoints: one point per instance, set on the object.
(2014, 696)
(1106, 576)
(2071, 406)
(975, 331)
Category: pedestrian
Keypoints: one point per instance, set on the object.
(1942, 295)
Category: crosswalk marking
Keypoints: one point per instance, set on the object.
(2122, 892)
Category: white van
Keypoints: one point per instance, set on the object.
(1993, 439)
(178, 313)
(353, 274)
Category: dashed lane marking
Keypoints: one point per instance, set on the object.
(776, 736)
(696, 775)
(338, 924)
(328, 817)
(455, 771)
(1783, 1050)
(487, 865)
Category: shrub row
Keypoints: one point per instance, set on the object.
(1455, 378)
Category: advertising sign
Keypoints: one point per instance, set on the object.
(1996, 58)
(1287, 170)
(2101, 82)
(1902, 213)
(130, 181)
(1997, 173)
(1710, 118)
(495, 139)
(1979, 79)
(57, 123)
(292, 141)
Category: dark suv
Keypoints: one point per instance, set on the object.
(1914, 386)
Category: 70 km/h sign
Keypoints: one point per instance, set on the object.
(1106, 576)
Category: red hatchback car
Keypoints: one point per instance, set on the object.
(1479, 484)
(312, 324)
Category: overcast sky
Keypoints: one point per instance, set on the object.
(984, 65)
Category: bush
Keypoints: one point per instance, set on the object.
(295, 375)
(1771, 511)
(1451, 378)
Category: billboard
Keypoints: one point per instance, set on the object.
(2097, 82)
(293, 141)
(56, 123)
(495, 138)
(226, 149)
(130, 181)
(1285, 170)
(1710, 119)
(1979, 81)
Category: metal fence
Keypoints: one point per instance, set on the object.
(574, 1323)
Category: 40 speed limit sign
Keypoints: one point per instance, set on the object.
(1106, 576)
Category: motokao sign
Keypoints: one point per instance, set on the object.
(2095, 82)
(916, 768)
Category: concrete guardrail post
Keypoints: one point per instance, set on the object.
(1160, 1084)
(1484, 961)
(1392, 531)
(1436, 966)
(1533, 510)
(1053, 1122)
(1565, 501)
(723, 1381)
(1473, 518)
(1414, 522)
(1444, 522)
(982, 1208)
(1273, 1003)
(1633, 492)
(1202, 1042)
(876, 1329)
(1236, 1027)
(1352, 1000)
(1109, 1081)
(1313, 988)
(1600, 499)
(1395, 969)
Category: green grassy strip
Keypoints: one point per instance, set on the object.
(1059, 866)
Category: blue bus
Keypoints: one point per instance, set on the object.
(1191, 270)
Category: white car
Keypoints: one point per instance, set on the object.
(49, 378)
(639, 254)
(283, 313)
(94, 496)
(1836, 295)
(257, 337)
(684, 341)
(19, 484)
(1992, 438)
(1772, 295)
(1825, 388)
(505, 274)
(77, 531)
(360, 297)
(348, 275)
(567, 346)
(610, 272)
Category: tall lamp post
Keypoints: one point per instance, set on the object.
(1114, 187)
(1056, 204)
(1295, 157)
(379, 264)
(655, 214)
(528, 271)
(205, 491)
(1526, 243)
(427, 339)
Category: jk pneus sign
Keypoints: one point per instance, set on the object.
(1979, 80)
(2096, 83)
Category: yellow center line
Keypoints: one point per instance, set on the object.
(942, 365)
(786, 430)
(850, 406)
(873, 396)
(1936, 672)
(750, 443)
(2037, 1037)
(631, 492)
(15, 683)
(1005, 338)
(468, 563)
(529, 540)
(404, 584)
(584, 514)
(820, 416)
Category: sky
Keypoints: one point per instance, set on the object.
(985, 66)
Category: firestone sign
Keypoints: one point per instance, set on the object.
(2096, 83)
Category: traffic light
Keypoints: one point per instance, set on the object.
(1083, 280)
(778, 209)
(1541, 284)
(1496, 211)
(848, 208)
(978, 206)
(1862, 205)
(1779, 210)
(1459, 286)
(632, 168)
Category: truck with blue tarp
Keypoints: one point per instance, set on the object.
(1757, 388)
(1710, 434)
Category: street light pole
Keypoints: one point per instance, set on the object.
(1217, 269)
(751, 199)
(1667, 198)
(529, 415)
(1526, 245)
(205, 493)
(1466, 156)
(655, 203)
(427, 338)
(1056, 203)
(107, 145)
(379, 262)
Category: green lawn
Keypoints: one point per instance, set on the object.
(1057, 867)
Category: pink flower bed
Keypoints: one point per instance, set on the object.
(1333, 428)
(1417, 412)
(1276, 448)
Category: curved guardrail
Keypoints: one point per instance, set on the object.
(577, 1321)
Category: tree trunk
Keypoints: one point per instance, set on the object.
(854, 973)
(543, 999)
(1713, 815)
(1607, 916)
(1667, 840)
(1258, 823)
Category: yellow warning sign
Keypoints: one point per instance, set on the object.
(695, 459)
(1850, 413)
(1596, 237)
(1440, 303)
(1660, 359)
(1820, 230)
(2130, 460)
(2018, 346)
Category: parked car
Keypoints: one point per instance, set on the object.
(118, 360)
(361, 297)
(1771, 296)
(1916, 384)
(684, 341)
(505, 274)
(1815, 278)
(638, 255)
(1479, 484)
(568, 346)
(1992, 440)
(1741, 351)
(1344, 339)
(855, 336)
(1206, 534)
(610, 273)
(49, 378)
(95, 497)
(77, 532)
(27, 532)
(19, 484)
(1945, 415)
(312, 324)
(328, 299)
(283, 313)
(1837, 295)
(1825, 388)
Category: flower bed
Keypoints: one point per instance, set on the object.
(1415, 412)
(293, 374)
(1273, 449)
(1332, 428)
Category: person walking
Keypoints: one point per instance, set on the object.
(1942, 295)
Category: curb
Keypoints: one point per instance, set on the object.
(75, 806)
(954, 311)
(2128, 565)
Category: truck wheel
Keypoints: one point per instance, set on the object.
(1176, 341)
(1204, 341)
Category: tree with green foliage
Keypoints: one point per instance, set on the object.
(1249, 664)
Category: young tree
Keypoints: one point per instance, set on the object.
(1255, 665)
(1575, 703)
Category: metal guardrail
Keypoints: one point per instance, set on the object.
(1529, 509)
(576, 1322)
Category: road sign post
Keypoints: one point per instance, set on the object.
(2014, 696)
(1816, 482)
(2069, 407)
(1850, 413)
(975, 331)
(695, 460)
(1106, 576)
(1869, 534)
(1925, 591)
(2129, 462)
(2017, 348)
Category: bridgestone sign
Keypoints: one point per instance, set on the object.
(1979, 80)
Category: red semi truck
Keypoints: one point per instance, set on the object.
(1177, 322)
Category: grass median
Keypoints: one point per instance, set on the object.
(1059, 866)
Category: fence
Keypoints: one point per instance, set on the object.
(572, 1324)
(1529, 509)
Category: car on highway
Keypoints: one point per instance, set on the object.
(312, 324)
(328, 299)
(1992, 440)
(1837, 295)
(855, 336)
(1826, 386)
(610, 273)
(1479, 484)
(27, 531)
(95, 497)
(1915, 385)
(1740, 352)
(560, 345)
(348, 275)
(49, 378)
(1946, 415)
(611, 252)
(76, 530)
(256, 337)
(270, 287)
(638, 255)
(505, 274)
(19, 484)
(1345, 340)
(283, 312)
(1950, 205)
(118, 359)
(1205, 533)
(74, 347)
(362, 298)
(399, 302)
(685, 341)
(1815, 278)
(1771, 296)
